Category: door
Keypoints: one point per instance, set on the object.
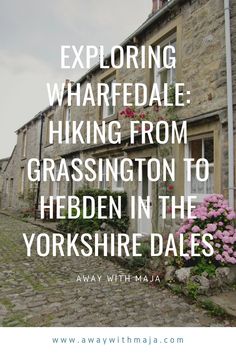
(145, 190)
(11, 192)
(70, 185)
(56, 184)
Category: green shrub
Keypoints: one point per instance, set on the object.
(192, 290)
(139, 262)
(95, 193)
(145, 250)
(205, 266)
(120, 225)
(81, 225)
(214, 309)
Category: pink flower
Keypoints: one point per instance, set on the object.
(231, 240)
(226, 233)
(225, 254)
(195, 229)
(207, 215)
(127, 112)
(231, 216)
(170, 187)
(218, 257)
(213, 213)
(142, 115)
(211, 228)
(218, 234)
(186, 257)
(221, 211)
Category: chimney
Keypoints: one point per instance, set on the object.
(156, 5)
(68, 81)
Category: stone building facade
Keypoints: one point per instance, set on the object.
(197, 29)
(3, 165)
(17, 192)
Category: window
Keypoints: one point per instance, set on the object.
(56, 184)
(119, 184)
(7, 186)
(66, 123)
(202, 147)
(68, 116)
(145, 183)
(22, 181)
(71, 185)
(109, 110)
(102, 183)
(49, 120)
(164, 75)
(24, 142)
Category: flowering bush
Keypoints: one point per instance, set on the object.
(132, 113)
(215, 217)
(128, 112)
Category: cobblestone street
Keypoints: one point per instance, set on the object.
(43, 291)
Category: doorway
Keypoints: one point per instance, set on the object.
(145, 190)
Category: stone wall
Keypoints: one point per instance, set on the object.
(14, 198)
(3, 164)
(233, 41)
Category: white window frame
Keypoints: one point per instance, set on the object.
(103, 184)
(115, 188)
(49, 120)
(24, 143)
(105, 108)
(157, 71)
(187, 185)
(56, 184)
(68, 114)
(67, 118)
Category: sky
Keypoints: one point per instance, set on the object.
(31, 35)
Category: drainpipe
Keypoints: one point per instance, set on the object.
(229, 103)
(40, 158)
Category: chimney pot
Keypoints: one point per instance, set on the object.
(156, 5)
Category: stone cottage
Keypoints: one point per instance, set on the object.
(198, 30)
(3, 164)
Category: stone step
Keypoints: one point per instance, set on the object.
(227, 301)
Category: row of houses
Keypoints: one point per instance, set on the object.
(198, 29)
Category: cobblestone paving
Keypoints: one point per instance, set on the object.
(43, 291)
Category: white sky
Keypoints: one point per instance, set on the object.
(31, 33)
